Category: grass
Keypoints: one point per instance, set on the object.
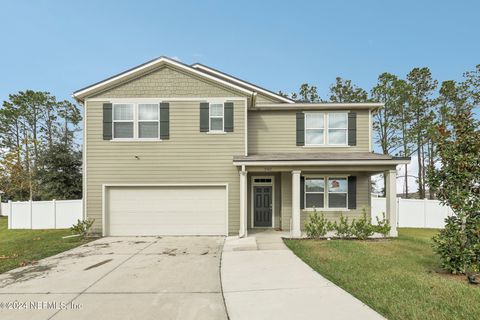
(23, 247)
(398, 278)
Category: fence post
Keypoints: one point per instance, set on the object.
(425, 212)
(54, 213)
(10, 214)
(398, 211)
(30, 202)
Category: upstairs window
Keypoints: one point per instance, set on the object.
(123, 121)
(337, 128)
(216, 117)
(314, 129)
(136, 121)
(148, 121)
(329, 128)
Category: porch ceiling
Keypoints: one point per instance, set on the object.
(361, 161)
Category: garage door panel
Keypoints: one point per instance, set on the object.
(198, 210)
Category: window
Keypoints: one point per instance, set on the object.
(123, 121)
(216, 117)
(337, 192)
(314, 128)
(334, 196)
(148, 121)
(326, 128)
(314, 192)
(337, 128)
(136, 121)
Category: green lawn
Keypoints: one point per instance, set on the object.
(22, 247)
(399, 278)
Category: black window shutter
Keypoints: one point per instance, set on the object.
(300, 129)
(228, 116)
(204, 115)
(164, 121)
(302, 192)
(352, 128)
(107, 121)
(352, 192)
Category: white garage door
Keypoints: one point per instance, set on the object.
(173, 210)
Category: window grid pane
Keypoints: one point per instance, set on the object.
(216, 124)
(314, 200)
(337, 200)
(337, 121)
(148, 112)
(216, 110)
(314, 120)
(337, 185)
(123, 112)
(148, 129)
(314, 136)
(123, 130)
(337, 136)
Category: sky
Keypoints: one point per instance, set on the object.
(62, 46)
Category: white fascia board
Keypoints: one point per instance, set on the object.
(320, 163)
(155, 62)
(248, 85)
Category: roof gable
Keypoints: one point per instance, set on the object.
(148, 67)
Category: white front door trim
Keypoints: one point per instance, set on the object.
(272, 184)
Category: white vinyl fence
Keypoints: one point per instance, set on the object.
(414, 213)
(55, 214)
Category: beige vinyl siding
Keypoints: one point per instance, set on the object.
(363, 200)
(275, 131)
(168, 82)
(189, 156)
(263, 98)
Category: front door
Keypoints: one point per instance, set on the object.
(262, 206)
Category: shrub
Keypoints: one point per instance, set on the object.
(383, 226)
(343, 227)
(459, 247)
(82, 227)
(362, 228)
(317, 226)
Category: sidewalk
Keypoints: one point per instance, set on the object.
(263, 279)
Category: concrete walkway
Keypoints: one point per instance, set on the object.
(263, 279)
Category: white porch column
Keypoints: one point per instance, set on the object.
(296, 232)
(243, 203)
(391, 197)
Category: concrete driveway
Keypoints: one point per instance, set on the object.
(120, 278)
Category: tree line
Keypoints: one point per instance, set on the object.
(39, 156)
(414, 104)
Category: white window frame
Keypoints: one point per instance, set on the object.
(327, 179)
(210, 117)
(326, 206)
(314, 192)
(138, 121)
(307, 128)
(326, 129)
(123, 121)
(135, 121)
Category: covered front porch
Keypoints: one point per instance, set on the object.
(279, 192)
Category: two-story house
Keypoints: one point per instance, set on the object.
(176, 149)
